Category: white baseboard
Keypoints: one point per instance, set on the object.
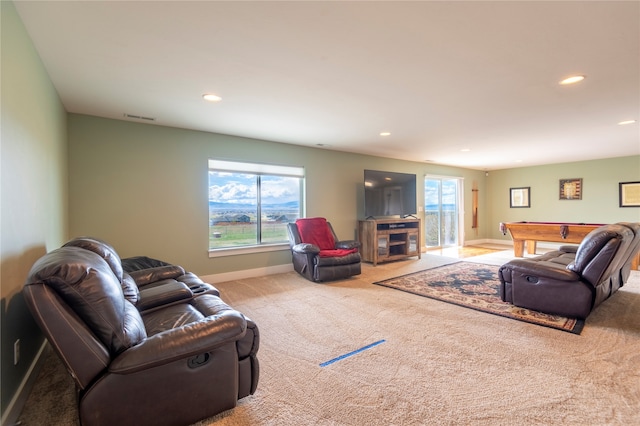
(488, 241)
(247, 273)
(14, 408)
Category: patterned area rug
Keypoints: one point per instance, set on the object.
(475, 286)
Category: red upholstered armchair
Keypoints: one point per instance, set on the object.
(317, 253)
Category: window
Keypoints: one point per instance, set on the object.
(250, 204)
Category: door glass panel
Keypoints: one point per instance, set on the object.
(432, 212)
(449, 230)
(441, 211)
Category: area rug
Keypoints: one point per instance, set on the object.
(475, 286)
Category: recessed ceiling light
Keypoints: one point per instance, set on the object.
(465, 150)
(385, 134)
(211, 97)
(573, 79)
(622, 123)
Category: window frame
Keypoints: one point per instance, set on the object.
(258, 169)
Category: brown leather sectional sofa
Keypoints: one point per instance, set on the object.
(573, 280)
(145, 341)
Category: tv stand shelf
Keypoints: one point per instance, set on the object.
(384, 240)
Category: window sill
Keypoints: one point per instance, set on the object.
(234, 251)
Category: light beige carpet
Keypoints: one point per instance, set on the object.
(439, 363)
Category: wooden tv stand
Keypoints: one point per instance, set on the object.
(384, 240)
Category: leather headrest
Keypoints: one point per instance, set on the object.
(86, 283)
(102, 249)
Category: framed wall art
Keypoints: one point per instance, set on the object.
(629, 194)
(520, 197)
(571, 189)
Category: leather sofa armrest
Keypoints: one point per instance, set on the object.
(539, 270)
(147, 276)
(568, 249)
(305, 248)
(196, 285)
(347, 244)
(163, 294)
(249, 344)
(192, 339)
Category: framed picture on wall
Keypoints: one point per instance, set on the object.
(629, 194)
(520, 197)
(571, 189)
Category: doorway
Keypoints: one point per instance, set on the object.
(442, 207)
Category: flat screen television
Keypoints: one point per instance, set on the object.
(389, 194)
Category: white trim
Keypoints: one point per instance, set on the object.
(487, 241)
(258, 168)
(461, 210)
(234, 251)
(15, 406)
(429, 175)
(246, 273)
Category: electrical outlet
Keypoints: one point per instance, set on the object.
(16, 352)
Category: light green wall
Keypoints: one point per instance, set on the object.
(33, 178)
(143, 188)
(599, 203)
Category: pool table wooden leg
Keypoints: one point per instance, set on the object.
(531, 246)
(518, 248)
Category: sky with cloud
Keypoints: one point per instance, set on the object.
(239, 188)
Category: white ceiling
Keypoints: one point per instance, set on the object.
(442, 77)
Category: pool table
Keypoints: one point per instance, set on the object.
(556, 232)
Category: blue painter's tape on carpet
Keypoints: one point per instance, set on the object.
(364, 348)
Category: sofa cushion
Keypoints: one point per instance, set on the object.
(338, 260)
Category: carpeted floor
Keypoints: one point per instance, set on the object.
(437, 363)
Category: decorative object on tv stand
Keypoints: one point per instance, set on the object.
(520, 197)
(571, 189)
(629, 194)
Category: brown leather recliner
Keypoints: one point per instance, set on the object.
(573, 281)
(174, 363)
(318, 255)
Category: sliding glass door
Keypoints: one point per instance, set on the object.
(442, 211)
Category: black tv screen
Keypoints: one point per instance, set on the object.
(389, 193)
